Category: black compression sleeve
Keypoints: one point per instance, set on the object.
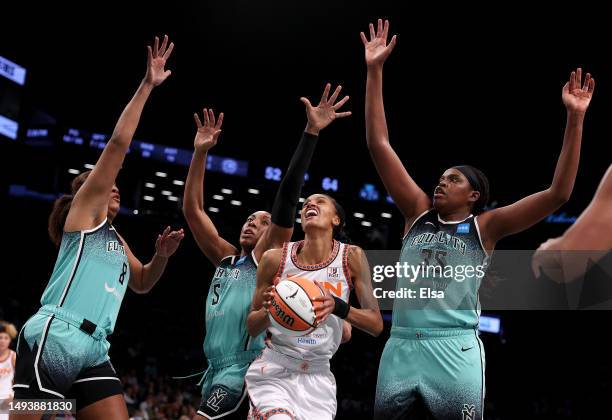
(285, 203)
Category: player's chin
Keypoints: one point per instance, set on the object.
(113, 210)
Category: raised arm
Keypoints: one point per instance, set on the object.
(90, 205)
(285, 203)
(366, 318)
(204, 231)
(504, 221)
(258, 320)
(144, 276)
(407, 195)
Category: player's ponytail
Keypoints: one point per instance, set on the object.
(340, 233)
(61, 207)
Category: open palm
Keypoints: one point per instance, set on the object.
(156, 61)
(208, 133)
(576, 97)
(324, 113)
(376, 49)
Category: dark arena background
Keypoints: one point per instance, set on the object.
(479, 86)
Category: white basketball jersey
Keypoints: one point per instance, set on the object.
(333, 274)
(6, 376)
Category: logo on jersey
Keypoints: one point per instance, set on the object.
(222, 271)
(115, 246)
(333, 273)
(335, 289)
(463, 228)
(215, 399)
(468, 412)
(440, 237)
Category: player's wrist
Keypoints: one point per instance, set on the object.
(341, 308)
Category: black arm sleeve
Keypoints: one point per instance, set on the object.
(285, 203)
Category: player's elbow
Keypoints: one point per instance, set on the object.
(559, 196)
(377, 325)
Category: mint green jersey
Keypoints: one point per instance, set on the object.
(456, 260)
(227, 306)
(90, 276)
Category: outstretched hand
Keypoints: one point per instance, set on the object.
(156, 61)
(376, 49)
(577, 98)
(324, 113)
(167, 242)
(208, 133)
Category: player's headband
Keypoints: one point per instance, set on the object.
(471, 176)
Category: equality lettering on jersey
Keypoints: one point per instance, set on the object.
(5, 371)
(115, 246)
(440, 237)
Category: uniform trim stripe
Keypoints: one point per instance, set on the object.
(254, 259)
(480, 236)
(97, 378)
(482, 368)
(414, 222)
(43, 339)
(21, 386)
(452, 222)
(345, 265)
(281, 266)
(313, 267)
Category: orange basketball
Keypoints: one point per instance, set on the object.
(292, 311)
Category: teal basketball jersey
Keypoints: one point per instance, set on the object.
(90, 276)
(452, 263)
(227, 306)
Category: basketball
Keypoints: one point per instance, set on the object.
(292, 311)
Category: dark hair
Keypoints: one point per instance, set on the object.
(340, 233)
(479, 182)
(61, 207)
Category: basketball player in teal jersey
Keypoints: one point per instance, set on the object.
(62, 350)
(227, 345)
(434, 353)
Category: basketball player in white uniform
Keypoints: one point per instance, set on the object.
(292, 379)
(7, 365)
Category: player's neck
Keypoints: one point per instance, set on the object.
(315, 249)
(4, 354)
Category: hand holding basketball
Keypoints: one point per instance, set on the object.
(577, 98)
(156, 61)
(268, 295)
(324, 305)
(376, 49)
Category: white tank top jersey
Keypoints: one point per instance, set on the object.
(321, 344)
(6, 376)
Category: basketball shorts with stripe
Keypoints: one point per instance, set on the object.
(55, 359)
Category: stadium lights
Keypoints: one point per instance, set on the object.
(217, 197)
(366, 223)
(135, 212)
(386, 215)
(173, 198)
(148, 198)
(161, 174)
(225, 191)
(236, 203)
(213, 210)
(166, 192)
(150, 185)
(178, 182)
(253, 191)
(358, 215)
(88, 166)
(302, 199)
(298, 220)
(74, 171)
